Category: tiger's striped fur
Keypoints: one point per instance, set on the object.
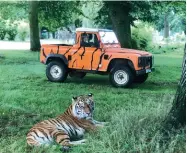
(77, 119)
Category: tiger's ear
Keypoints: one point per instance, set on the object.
(90, 95)
(74, 99)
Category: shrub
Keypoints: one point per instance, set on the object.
(180, 38)
(168, 48)
(2, 33)
(2, 30)
(22, 35)
(12, 32)
(142, 36)
(23, 31)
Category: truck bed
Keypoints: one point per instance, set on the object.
(47, 49)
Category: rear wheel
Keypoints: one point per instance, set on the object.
(141, 78)
(121, 76)
(56, 71)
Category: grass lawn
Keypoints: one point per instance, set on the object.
(26, 97)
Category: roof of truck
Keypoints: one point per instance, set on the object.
(92, 30)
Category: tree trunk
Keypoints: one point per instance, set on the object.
(177, 115)
(34, 27)
(121, 22)
(166, 26)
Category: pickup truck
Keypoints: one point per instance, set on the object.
(96, 51)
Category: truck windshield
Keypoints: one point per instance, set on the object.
(108, 37)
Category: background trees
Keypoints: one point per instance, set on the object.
(171, 17)
(49, 14)
(10, 14)
(121, 16)
(56, 14)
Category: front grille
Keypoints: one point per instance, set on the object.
(144, 61)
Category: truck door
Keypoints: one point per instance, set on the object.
(91, 52)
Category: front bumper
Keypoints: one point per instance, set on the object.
(144, 71)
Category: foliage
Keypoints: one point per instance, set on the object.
(23, 34)
(176, 14)
(122, 14)
(134, 114)
(142, 36)
(52, 14)
(103, 19)
(137, 11)
(149, 11)
(56, 14)
(90, 9)
(181, 38)
(10, 13)
(12, 31)
(168, 48)
(13, 10)
(2, 30)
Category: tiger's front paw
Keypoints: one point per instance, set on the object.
(99, 125)
(65, 149)
(102, 123)
(105, 123)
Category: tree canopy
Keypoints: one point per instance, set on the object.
(51, 14)
(136, 11)
(152, 12)
(55, 14)
(121, 15)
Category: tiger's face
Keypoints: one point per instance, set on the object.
(83, 106)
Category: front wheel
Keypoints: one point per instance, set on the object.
(141, 78)
(56, 71)
(121, 76)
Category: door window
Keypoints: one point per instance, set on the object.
(89, 40)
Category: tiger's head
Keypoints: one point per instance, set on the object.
(83, 106)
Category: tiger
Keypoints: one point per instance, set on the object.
(70, 125)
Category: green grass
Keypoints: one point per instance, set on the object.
(135, 114)
(168, 48)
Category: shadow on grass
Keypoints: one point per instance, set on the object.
(90, 80)
(14, 122)
(104, 81)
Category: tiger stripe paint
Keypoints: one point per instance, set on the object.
(43, 53)
(67, 51)
(100, 60)
(93, 59)
(83, 53)
(76, 51)
(57, 50)
(74, 63)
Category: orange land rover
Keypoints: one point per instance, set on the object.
(96, 51)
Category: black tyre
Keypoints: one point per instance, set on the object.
(141, 78)
(79, 75)
(56, 71)
(121, 76)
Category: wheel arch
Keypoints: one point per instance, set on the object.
(118, 61)
(57, 57)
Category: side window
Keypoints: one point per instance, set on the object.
(89, 40)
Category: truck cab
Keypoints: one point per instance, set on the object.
(96, 51)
